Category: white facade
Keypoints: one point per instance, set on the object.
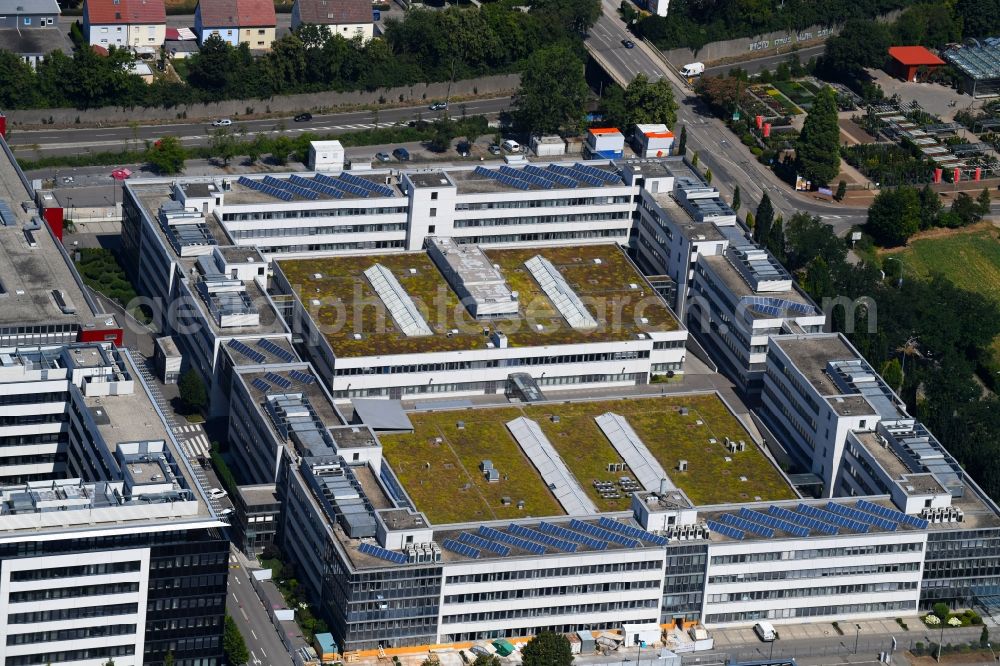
(326, 156)
(126, 35)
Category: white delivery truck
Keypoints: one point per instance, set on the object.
(692, 69)
(765, 631)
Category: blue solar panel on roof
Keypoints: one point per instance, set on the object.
(261, 385)
(377, 188)
(606, 176)
(342, 185)
(378, 551)
(605, 534)
(892, 514)
(523, 544)
(276, 350)
(773, 522)
(243, 349)
(461, 548)
(828, 517)
(570, 535)
(559, 179)
(631, 531)
(541, 537)
(278, 380)
(861, 516)
(577, 175)
(724, 529)
(804, 521)
(746, 525)
(302, 377)
(484, 544)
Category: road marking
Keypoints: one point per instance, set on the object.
(262, 652)
(253, 633)
(245, 616)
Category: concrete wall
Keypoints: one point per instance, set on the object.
(323, 101)
(760, 45)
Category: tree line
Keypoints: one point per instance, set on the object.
(425, 46)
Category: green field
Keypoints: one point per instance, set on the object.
(970, 260)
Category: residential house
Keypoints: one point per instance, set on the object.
(250, 22)
(25, 14)
(347, 18)
(139, 24)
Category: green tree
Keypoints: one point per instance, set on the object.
(553, 92)
(763, 219)
(612, 107)
(168, 659)
(281, 146)
(736, 199)
(892, 373)
(894, 216)
(841, 190)
(817, 150)
(694, 159)
(942, 611)
(547, 649)
(487, 660)
(233, 644)
(192, 391)
(966, 209)
(708, 176)
(808, 239)
(167, 155)
(650, 102)
(682, 141)
(223, 145)
(750, 221)
(574, 16)
(444, 132)
(860, 44)
(984, 636)
(930, 207)
(984, 202)
(776, 240)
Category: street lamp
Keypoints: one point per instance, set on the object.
(857, 636)
(902, 269)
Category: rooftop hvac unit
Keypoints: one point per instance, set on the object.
(682, 465)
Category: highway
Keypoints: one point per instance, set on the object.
(731, 162)
(243, 604)
(74, 140)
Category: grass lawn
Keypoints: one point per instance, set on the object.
(794, 91)
(453, 489)
(969, 258)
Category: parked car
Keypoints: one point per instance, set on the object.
(217, 493)
(303, 117)
(225, 512)
(464, 148)
(494, 149)
(401, 154)
(382, 157)
(692, 69)
(67, 180)
(479, 651)
(222, 122)
(439, 106)
(628, 43)
(511, 146)
(765, 631)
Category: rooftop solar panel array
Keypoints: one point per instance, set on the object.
(833, 518)
(746, 526)
(541, 537)
(278, 380)
(630, 531)
(516, 541)
(570, 535)
(594, 172)
(343, 185)
(374, 188)
(725, 530)
(774, 522)
(289, 186)
(302, 377)
(580, 176)
(270, 190)
(527, 177)
(461, 548)
(551, 176)
(607, 535)
(861, 516)
(275, 349)
(7, 217)
(378, 551)
(892, 514)
(502, 178)
(804, 521)
(484, 544)
(247, 351)
(317, 186)
(261, 385)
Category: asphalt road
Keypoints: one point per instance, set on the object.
(718, 149)
(242, 603)
(768, 62)
(73, 140)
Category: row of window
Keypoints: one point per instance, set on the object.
(97, 655)
(597, 588)
(843, 551)
(71, 634)
(541, 219)
(311, 212)
(812, 611)
(277, 232)
(79, 613)
(795, 592)
(545, 203)
(582, 234)
(73, 592)
(553, 572)
(334, 247)
(825, 572)
(492, 363)
(106, 568)
(396, 392)
(573, 609)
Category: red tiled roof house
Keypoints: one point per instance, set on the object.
(125, 23)
(251, 22)
(347, 18)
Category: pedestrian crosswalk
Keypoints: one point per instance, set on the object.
(193, 440)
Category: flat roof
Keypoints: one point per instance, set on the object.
(259, 495)
(597, 273)
(692, 229)
(381, 414)
(738, 286)
(812, 353)
(438, 464)
(34, 41)
(317, 396)
(308, 187)
(914, 56)
(536, 178)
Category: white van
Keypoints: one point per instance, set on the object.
(512, 146)
(692, 69)
(765, 631)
